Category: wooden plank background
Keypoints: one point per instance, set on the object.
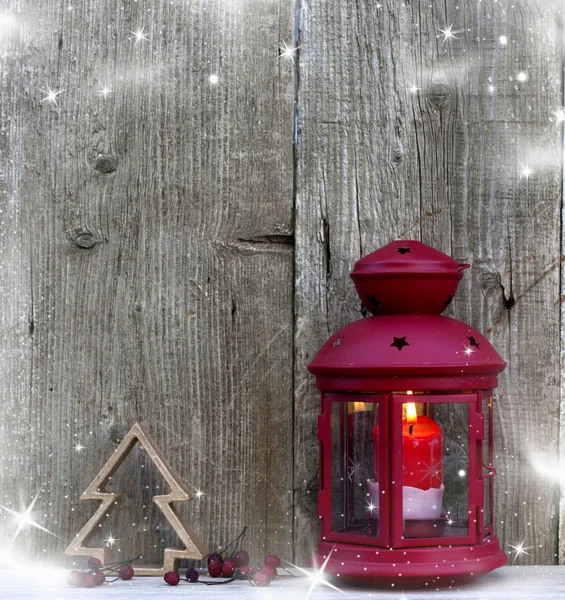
(180, 313)
(167, 254)
(407, 135)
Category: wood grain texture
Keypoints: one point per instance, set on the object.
(405, 134)
(147, 263)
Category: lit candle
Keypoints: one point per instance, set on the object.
(421, 450)
(422, 487)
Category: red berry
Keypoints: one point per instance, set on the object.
(241, 558)
(93, 563)
(214, 568)
(74, 578)
(243, 572)
(171, 578)
(88, 580)
(228, 567)
(99, 578)
(126, 572)
(271, 571)
(192, 575)
(215, 556)
(261, 579)
(273, 560)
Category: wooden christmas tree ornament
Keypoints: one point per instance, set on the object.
(194, 547)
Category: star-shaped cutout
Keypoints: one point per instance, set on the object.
(473, 341)
(404, 250)
(373, 301)
(400, 343)
(448, 301)
(337, 342)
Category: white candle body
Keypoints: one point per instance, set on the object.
(416, 503)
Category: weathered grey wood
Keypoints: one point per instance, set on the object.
(519, 583)
(402, 136)
(147, 263)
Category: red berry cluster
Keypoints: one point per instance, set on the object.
(96, 573)
(232, 567)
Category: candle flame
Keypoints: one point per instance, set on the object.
(411, 414)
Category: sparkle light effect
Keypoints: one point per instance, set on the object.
(525, 171)
(469, 350)
(317, 577)
(25, 519)
(213, 79)
(431, 471)
(105, 91)
(503, 40)
(547, 465)
(79, 447)
(139, 36)
(447, 34)
(288, 51)
(353, 469)
(559, 115)
(8, 22)
(519, 549)
(51, 96)
(522, 76)
(110, 540)
(413, 88)
(371, 507)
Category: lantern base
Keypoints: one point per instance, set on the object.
(404, 568)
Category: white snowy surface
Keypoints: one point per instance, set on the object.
(508, 583)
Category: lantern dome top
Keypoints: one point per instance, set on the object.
(407, 344)
(407, 276)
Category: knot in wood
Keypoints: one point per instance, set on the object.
(397, 156)
(85, 240)
(490, 280)
(105, 164)
(439, 95)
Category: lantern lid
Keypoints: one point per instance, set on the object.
(407, 276)
(407, 258)
(403, 345)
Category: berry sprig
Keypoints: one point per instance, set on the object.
(95, 573)
(232, 563)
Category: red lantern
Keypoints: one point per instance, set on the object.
(406, 431)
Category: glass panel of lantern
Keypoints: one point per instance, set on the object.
(353, 463)
(434, 497)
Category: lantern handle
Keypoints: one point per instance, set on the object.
(462, 266)
(491, 471)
